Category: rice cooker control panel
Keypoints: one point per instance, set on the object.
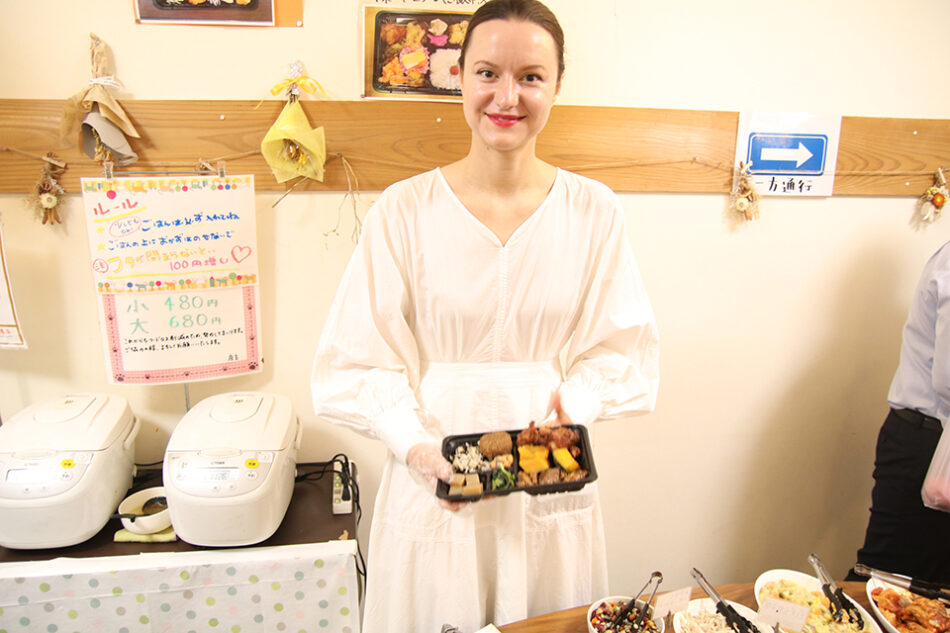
(218, 473)
(39, 474)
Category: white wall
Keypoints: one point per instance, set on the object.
(779, 337)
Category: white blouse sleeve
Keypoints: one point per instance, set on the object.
(367, 362)
(612, 366)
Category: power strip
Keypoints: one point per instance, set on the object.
(340, 505)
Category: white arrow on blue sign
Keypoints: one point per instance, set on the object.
(784, 154)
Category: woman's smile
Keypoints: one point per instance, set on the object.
(504, 120)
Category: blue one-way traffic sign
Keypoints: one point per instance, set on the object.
(787, 154)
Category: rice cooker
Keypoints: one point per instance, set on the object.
(229, 468)
(64, 467)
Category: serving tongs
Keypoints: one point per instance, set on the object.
(840, 603)
(923, 587)
(735, 621)
(627, 608)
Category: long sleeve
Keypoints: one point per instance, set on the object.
(367, 362)
(612, 362)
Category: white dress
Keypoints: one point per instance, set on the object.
(438, 329)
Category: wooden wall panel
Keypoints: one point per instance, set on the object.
(630, 149)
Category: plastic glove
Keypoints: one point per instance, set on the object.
(425, 462)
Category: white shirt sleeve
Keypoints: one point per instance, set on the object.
(612, 363)
(367, 362)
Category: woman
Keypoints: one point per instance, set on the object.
(467, 285)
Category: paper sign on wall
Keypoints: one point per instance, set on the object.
(11, 337)
(789, 154)
(175, 268)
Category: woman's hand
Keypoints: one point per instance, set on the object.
(426, 461)
(562, 416)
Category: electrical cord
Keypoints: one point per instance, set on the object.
(351, 489)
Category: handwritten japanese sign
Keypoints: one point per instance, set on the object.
(174, 262)
(10, 335)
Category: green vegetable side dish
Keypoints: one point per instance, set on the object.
(501, 479)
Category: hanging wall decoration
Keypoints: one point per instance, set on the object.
(291, 147)
(743, 198)
(934, 199)
(47, 192)
(104, 125)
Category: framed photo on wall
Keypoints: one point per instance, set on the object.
(227, 12)
(412, 54)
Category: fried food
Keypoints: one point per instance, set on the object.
(494, 444)
(550, 436)
(911, 613)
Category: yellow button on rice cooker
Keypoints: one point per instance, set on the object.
(67, 463)
(251, 463)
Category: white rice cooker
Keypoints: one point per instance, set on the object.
(229, 468)
(64, 467)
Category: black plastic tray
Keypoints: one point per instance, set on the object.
(379, 50)
(585, 459)
(171, 4)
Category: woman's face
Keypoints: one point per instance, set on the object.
(509, 83)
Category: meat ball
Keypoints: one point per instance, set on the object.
(494, 444)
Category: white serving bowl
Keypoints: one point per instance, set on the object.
(144, 523)
(622, 600)
(811, 583)
(708, 605)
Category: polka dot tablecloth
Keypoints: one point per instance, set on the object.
(298, 589)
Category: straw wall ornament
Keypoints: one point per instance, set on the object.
(743, 198)
(934, 199)
(103, 123)
(47, 192)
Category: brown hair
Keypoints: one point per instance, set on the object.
(525, 11)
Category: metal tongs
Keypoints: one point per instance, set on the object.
(738, 623)
(627, 608)
(923, 587)
(840, 603)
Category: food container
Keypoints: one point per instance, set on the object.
(618, 601)
(812, 584)
(585, 460)
(708, 605)
(177, 4)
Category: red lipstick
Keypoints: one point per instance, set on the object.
(503, 120)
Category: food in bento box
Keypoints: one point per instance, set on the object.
(565, 460)
(532, 458)
(467, 485)
(444, 71)
(820, 619)
(910, 613)
(392, 33)
(494, 444)
(502, 479)
(550, 436)
(605, 613)
(468, 459)
(457, 32)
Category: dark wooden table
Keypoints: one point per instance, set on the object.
(309, 519)
(575, 620)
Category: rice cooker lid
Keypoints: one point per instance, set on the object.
(244, 421)
(76, 422)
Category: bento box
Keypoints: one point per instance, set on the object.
(549, 460)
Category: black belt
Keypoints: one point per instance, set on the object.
(916, 417)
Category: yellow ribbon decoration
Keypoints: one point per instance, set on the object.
(307, 83)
